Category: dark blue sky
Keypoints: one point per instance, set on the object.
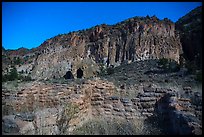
(28, 24)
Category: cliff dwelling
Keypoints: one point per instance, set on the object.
(79, 73)
(69, 75)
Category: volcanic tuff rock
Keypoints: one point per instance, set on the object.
(138, 38)
(190, 29)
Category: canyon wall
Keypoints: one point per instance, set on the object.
(132, 40)
(190, 30)
(135, 39)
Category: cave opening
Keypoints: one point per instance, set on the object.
(69, 75)
(79, 73)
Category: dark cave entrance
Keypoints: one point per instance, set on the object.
(69, 75)
(79, 73)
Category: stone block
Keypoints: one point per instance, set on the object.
(187, 88)
(149, 89)
(97, 99)
(150, 110)
(125, 100)
(135, 99)
(114, 98)
(184, 99)
(117, 109)
(107, 113)
(147, 114)
(96, 95)
(148, 104)
(127, 114)
(128, 109)
(108, 106)
(25, 116)
(127, 104)
(158, 94)
(117, 114)
(160, 90)
(129, 117)
(96, 103)
(148, 94)
(107, 110)
(99, 86)
(147, 99)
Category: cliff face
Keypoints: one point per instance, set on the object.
(190, 29)
(132, 40)
(135, 39)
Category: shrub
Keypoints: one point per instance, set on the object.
(110, 70)
(191, 66)
(13, 75)
(26, 78)
(163, 63)
(4, 78)
(105, 71)
(7, 109)
(102, 70)
(198, 76)
(169, 65)
(173, 66)
(17, 61)
(68, 112)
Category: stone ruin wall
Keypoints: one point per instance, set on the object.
(96, 98)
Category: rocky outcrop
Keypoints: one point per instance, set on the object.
(190, 29)
(135, 39)
(178, 116)
(132, 40)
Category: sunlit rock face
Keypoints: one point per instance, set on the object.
(135, 39)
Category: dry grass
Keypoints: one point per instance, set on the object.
(116, 126)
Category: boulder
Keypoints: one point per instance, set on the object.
(9, 126)
(125, 100)
(26, 116)
(114, 98)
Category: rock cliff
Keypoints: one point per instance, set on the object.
(135, 39)
(190, 29)
(132, 40)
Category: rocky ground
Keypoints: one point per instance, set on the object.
(139, 93)
(145, 73)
